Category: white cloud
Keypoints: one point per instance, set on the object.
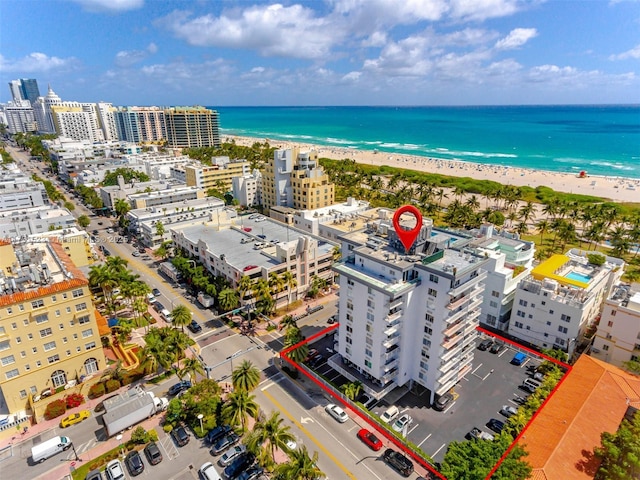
(479, 10)
(37, 62)
(271, 30)
(634, 53)
(110, 5)
(407, 57)
(376, 39)
(126, 58)
(516, 38)
(351, 77)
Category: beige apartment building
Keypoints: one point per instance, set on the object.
(219, 175)
(296, 179)
(49, 336)
(192, 127)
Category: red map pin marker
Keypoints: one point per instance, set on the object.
(407, 237)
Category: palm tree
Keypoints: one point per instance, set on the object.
(542, 226)
(473, 203)
(291, 283)
(244, 285)
(228, 299)
(276, 283)
(245, 376)
(441, 194)
(191, 367)
(351, 390)
(268, 436)
(299, 467)
(293, 336)
(180, 316)
(287, 321)
(239, 405)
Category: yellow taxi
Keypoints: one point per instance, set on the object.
(75, 418)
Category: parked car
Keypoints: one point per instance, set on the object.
(398, 461)
(485, 344)
(231, 454)
(114, 470)
(209, 472)
(135, 253)
(508, 411)
(367, 401)
(478, 434)
(134, 463)
(518, 359)
(153, 454)
(74, 418)
(94, 475)
(217, 433)
(390, 414)
(316, 361)
(194, 326)
(495, 425)
(239, 465)
(158, 307)
(180, 386)
(252, 473)
(224, 443)
(336, 412)
(312, 353)
(442, 402)
(180, 435)
(369, 439)
(498, 347)
(403, 422)
(156, 292)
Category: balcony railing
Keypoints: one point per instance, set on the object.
(391, 364)
(454, 328)
(393, 316)
(387, 377)
(451, 353)
(392, 329)
(396, 303)
(468, 284)
(391, 341)
(457, 303)
(452, 341)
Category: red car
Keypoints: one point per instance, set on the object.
(373, 442)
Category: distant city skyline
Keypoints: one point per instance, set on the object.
(333, 52)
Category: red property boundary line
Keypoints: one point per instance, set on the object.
(393, 439)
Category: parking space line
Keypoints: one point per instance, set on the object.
(425, 439)
(414, 427)
(355, 426)
(449, 407)
(438, 451)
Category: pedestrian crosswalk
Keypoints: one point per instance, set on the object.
(81, 448)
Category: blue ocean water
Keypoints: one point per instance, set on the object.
(603, 140)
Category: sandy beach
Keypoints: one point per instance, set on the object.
(618, 189)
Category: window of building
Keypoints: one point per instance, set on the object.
(493, 304)
(38, 363)
(424, 365)
(77, 293)
(371, 304)
(348, 340)
(369, 340)
(432, 292)
(433, 278)
(21, 307)
(370, 316)
(90, 345)
(544, 303)
(367, 364)
(550, 312)
(426, 342)
(37, 303)
(4, 345)
(49, 346)
(565, 318)
(87, 333)
(59, 378)
(605, 347)
(517, 324)
(9, 310)
(55, 358)
(90, 366)
(23, 354)
(613, 313)
(520, 313)
(81, 306)
(425, 354)
(523, 302)
(368, 352)
(61, 326)
(25, 322)
(14, 325)
(562, 329)
(68, 309)
(45, 332)
(495, 294)
(347, 350)
(42, 318)
(12, 373)
(84, 319)
(8, 360)
(610, 323)
(54, 298)
(429, 318)
(30, 336)
(349, 329)
(57, 313)
(428, 330)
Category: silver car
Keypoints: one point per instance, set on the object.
(336, 412)
(231, 454)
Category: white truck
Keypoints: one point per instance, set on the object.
(130, 408)
(205, 300)
(49, 448)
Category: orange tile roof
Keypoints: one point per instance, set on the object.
(593, 399)
(4, 242)
(103, 324)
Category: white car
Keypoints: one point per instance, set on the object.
(209, 472)
(404, 421)
(114, 470)
(390, 414)
(231, 454)
(336, 412)
(292, 445)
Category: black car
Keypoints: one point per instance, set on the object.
(495, 425)
(180, 436)
(251, 473)
(153, 454)
(239, 465)
(398, 461)
(180, 386)
(156, 292)
(94, 475)
(157, 306)
(498, 347)
(442, 402)
(485, 344)
(194, 326)
(316, 361)
(134, 463)
(223, 443)
(217, 433)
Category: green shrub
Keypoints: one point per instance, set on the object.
(55, 409)
(167, 428)
(153, 435)
(112, 385)
(140, 436)
(96, 391)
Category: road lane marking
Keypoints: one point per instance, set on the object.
(414, 427)
(308, 434)
(425, 439)
(438, 451)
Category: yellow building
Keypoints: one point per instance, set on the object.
(294, 179)
(216, 176)
(49, 336)
(75, 243)
(192, 127)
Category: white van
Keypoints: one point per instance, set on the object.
(49, 448)
(530, 385)
(166, 314)
(390, 414)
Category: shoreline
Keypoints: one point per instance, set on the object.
(617, 189)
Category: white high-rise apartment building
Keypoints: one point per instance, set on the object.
(42, 111)
(407, 318)
(78, 121)
(106, 120)
(20, 118)
(555, 305)
(618, 337)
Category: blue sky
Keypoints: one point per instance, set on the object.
(332, 52)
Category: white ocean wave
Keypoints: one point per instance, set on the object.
(617, 166)
(339, 141)
(390, 145)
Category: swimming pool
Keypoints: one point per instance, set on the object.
(578, 277)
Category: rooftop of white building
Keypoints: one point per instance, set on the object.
(339, 213)
(141, 214)
(624, 296)
(163, 193)
(41, 212)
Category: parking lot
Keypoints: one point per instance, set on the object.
(479, 397)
